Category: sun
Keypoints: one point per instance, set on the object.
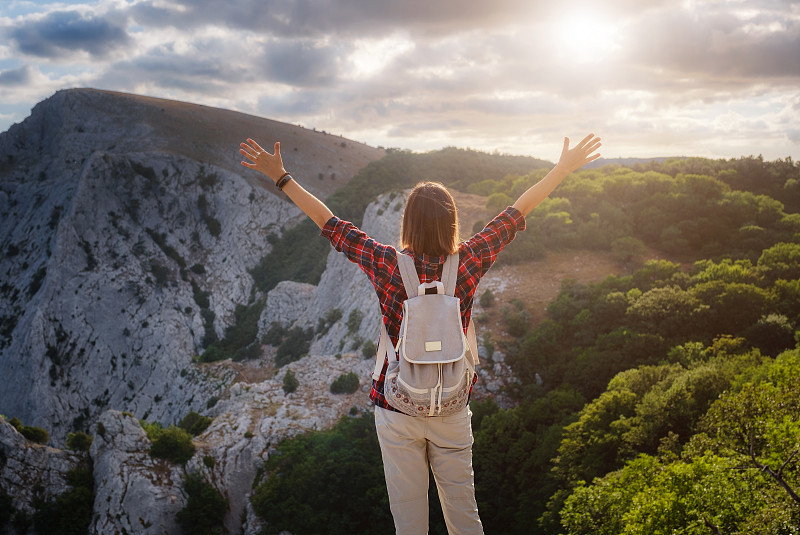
(585, 38)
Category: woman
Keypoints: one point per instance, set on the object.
(429, 233)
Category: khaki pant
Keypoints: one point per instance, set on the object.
(408, 444)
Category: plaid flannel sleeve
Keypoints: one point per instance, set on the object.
(499, 232)
(358, 247)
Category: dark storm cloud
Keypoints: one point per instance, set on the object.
(15, 77)
(61, 32)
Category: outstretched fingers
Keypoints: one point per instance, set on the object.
(588, 146)
(585, 141)
(247, 151)
(255, 145)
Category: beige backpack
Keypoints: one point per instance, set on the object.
(430, 371)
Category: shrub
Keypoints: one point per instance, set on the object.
(21, 521)
(79, 441)
(195, 423)
(250, 352)
(173, 444)
(274, 336)
(31, 432)
(369, 349)
(213, 354)
(16, 424)
(487, 299)
(296, 344)
(517, 321)
(343, 464)
(209, 461)
(70, 512)
(160, 272)
(354, 322)
(290, 382)
(205, 509)
(213, 224)
(498, 201)
(325, 323)
(345, 384)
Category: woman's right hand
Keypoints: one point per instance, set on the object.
(261, 160)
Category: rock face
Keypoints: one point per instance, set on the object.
(128, 234)
(127, 238)
(30, 472)
(252, 421)
(116, 317)
(128, 229)
(134, 493)
(344, 287)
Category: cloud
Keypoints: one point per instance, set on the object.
(62, 32)
(506, 74)
(15, 77)
(353, 18)
(198, 68)
(721, 44)
(417, 128)
(303, 62)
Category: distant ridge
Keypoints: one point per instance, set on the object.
(600, 162)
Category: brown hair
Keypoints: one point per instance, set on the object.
(430, 221)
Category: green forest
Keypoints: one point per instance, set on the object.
(669, 396)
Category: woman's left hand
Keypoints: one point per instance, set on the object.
(261, 160)
(580, 155)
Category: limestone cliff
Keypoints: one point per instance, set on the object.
(123, 246)
(128, 230)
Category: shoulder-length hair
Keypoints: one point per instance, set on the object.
(430, 221)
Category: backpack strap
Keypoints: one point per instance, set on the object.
(450, 274)
(408, 273)
(472, 340)
(385, 351)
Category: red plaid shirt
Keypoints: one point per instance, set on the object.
(379, 262)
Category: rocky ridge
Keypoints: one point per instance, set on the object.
(123, 255)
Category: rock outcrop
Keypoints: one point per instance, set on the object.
(30, 472)
(134, 492)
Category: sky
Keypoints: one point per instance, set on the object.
(653, 78)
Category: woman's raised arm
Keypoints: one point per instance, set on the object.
(571, 160)
(271, 165)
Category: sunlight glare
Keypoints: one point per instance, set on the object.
(585, 38)
(372, 55)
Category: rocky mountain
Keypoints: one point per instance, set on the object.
(128, 231)
(115, 221)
